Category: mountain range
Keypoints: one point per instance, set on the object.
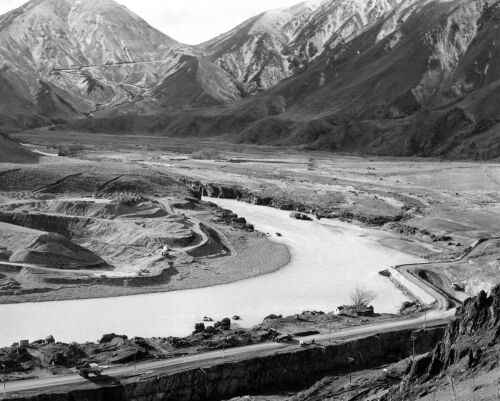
(390, 77)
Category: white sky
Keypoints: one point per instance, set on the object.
(190, 21)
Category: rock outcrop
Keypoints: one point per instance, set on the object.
(469, 343)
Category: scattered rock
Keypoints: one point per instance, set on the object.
(199, 328)
(225, 324)
(50, 340)
(272, 316)
(355, 311)
(106, 338)
(300, 216)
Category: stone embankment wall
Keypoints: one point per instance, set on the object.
(389, 273)
(231, 378)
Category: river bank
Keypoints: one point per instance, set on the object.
(327, 263)
(55, 215)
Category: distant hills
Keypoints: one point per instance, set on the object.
(391, 77)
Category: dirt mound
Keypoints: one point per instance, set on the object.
(117, 240)
(54, 250)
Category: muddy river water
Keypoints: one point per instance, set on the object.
(328, 260)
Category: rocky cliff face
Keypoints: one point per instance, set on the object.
(469, 347)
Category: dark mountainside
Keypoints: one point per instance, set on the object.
(12, 152)
(387, 77)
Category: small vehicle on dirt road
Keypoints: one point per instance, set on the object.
(88, 369)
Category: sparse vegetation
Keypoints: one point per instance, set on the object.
(362, 298)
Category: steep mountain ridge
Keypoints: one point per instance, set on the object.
(398, 77)
(279, 43)
(81, 52)
(422, 80)
(96, 57)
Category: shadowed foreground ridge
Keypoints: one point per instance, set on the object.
(468, 351)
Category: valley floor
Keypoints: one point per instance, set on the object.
(432, 209)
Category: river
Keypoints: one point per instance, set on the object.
(328, 260)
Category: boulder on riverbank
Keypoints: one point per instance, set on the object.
(300, 216)
(272, 316)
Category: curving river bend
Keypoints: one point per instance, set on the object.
(328, 260)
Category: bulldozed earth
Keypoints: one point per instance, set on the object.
(81, 230)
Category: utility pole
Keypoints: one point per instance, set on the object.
(224, 347)
(413, 338)
(135, 364)
(425, 318)
(350, 361)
